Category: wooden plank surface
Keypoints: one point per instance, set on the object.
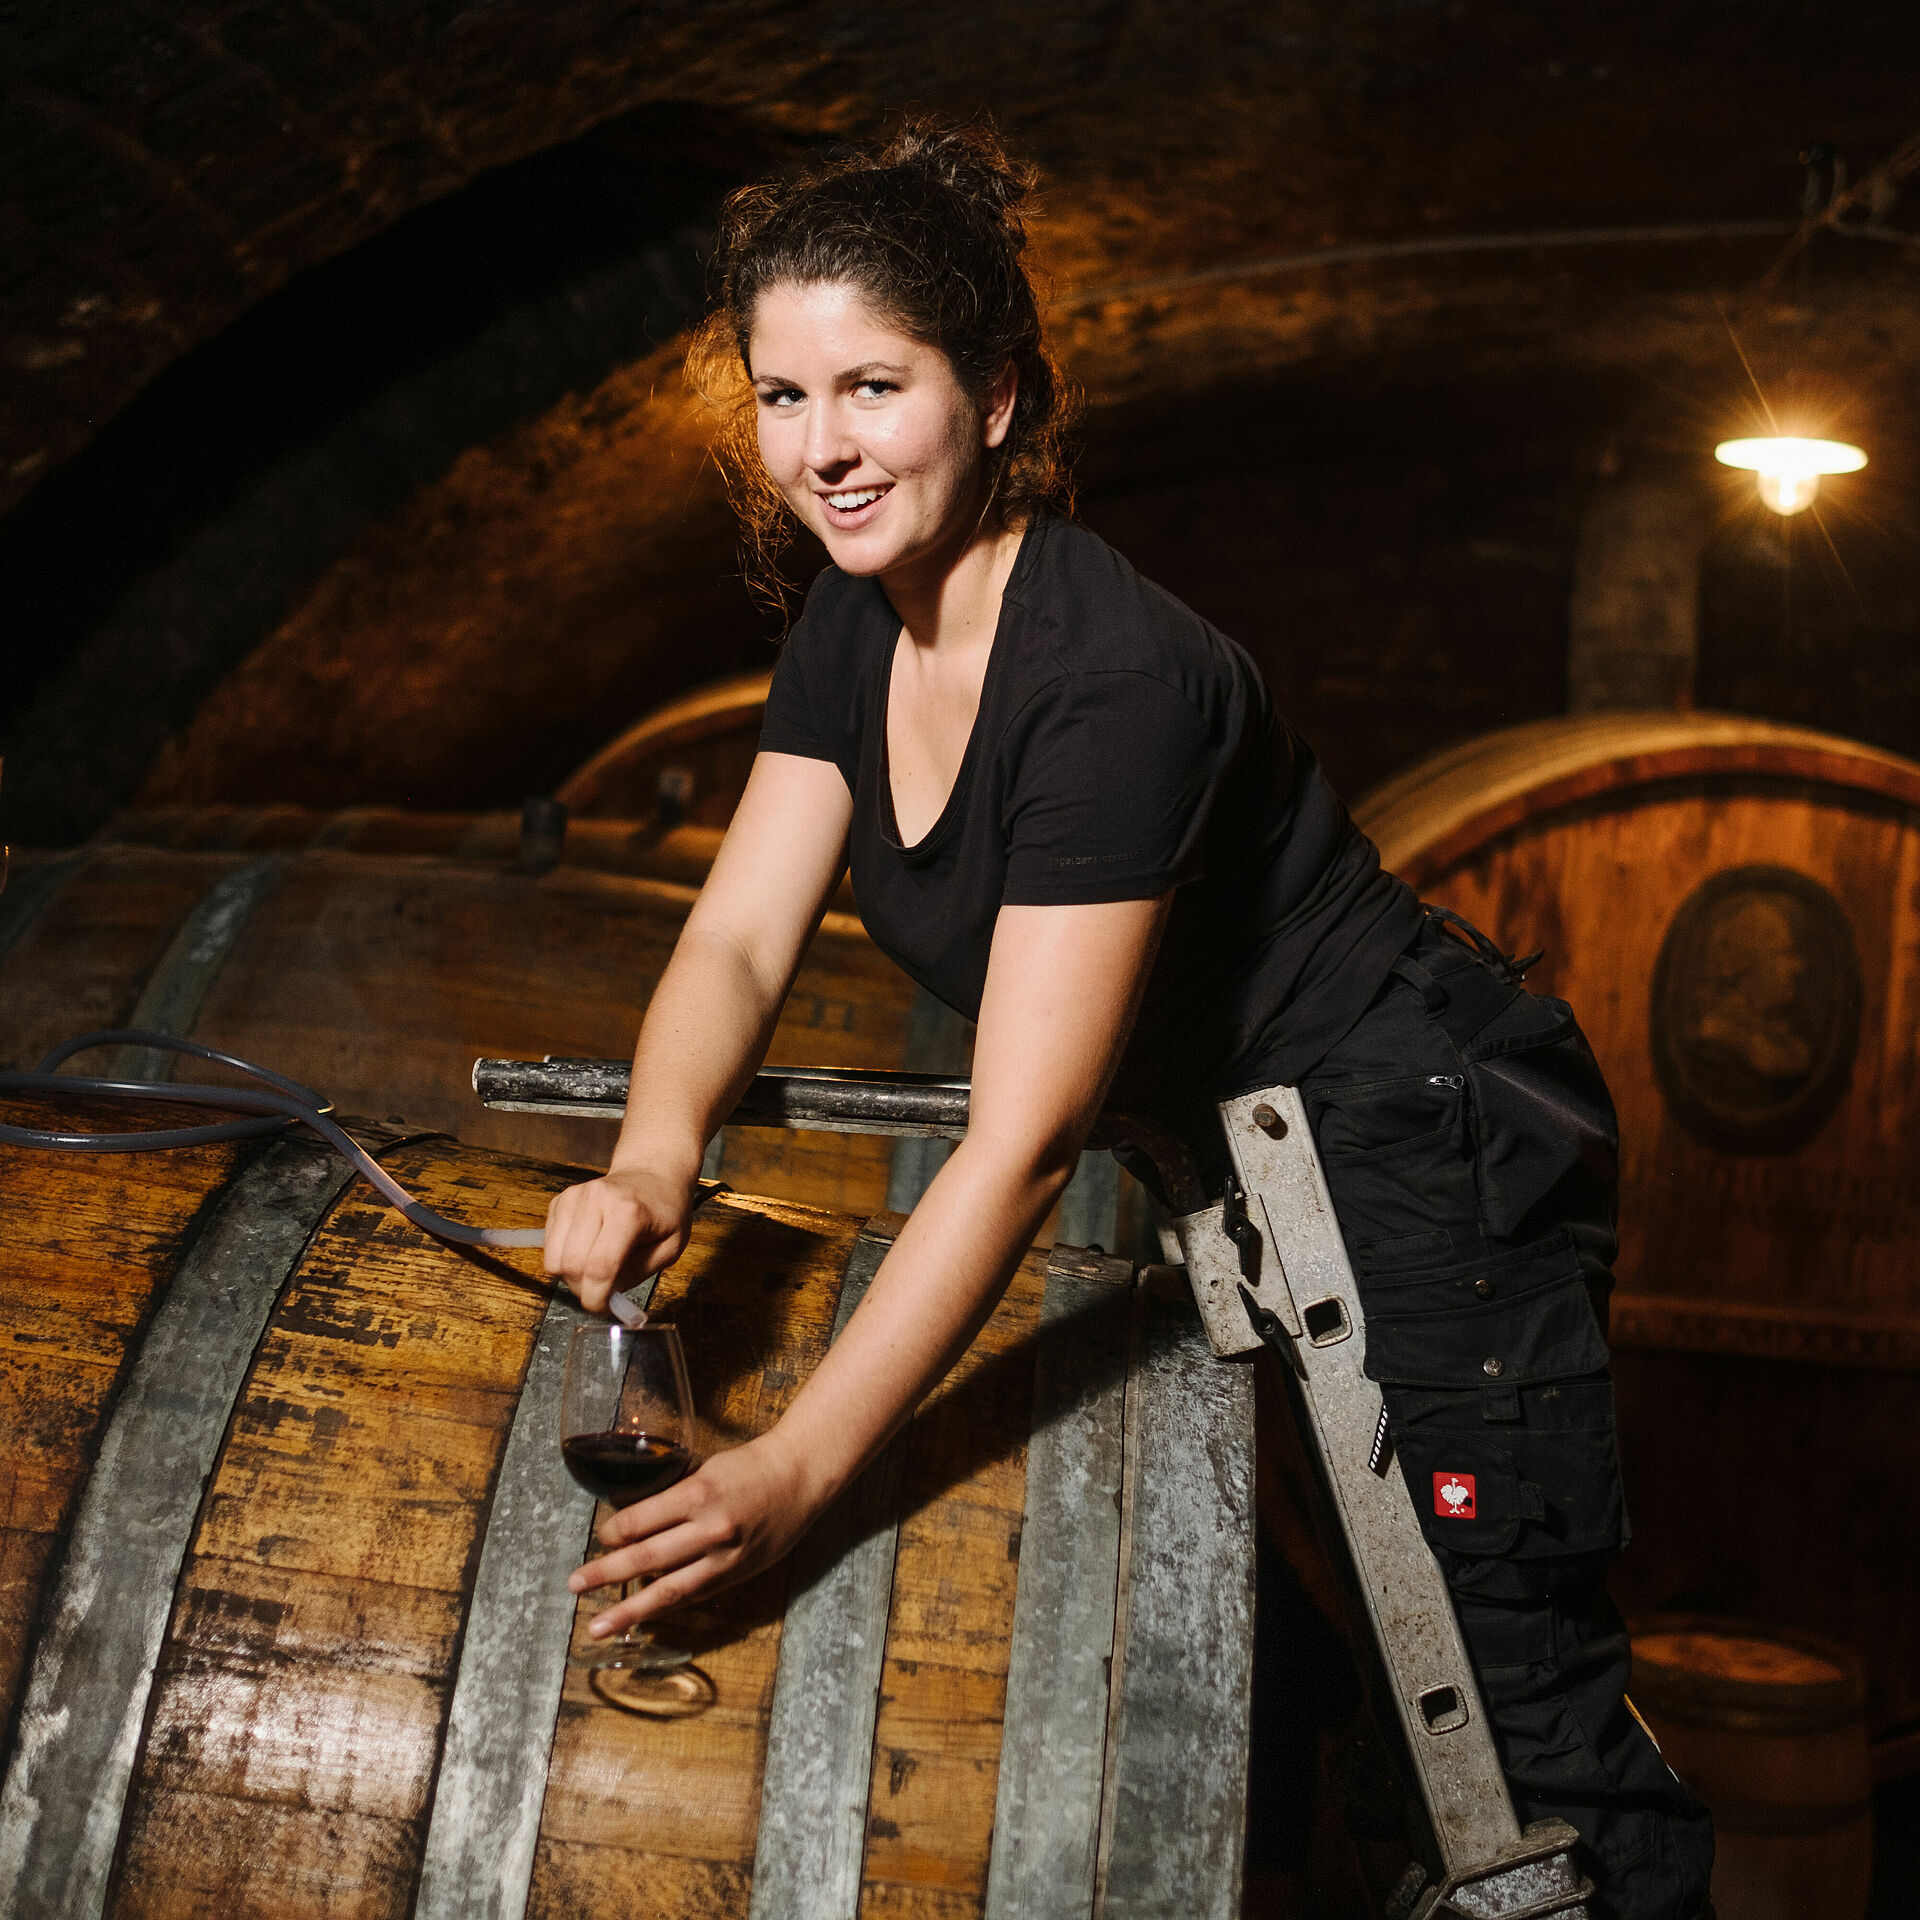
(87, 1246)
(81, 963)
(493, 1776)
(1174, 1819)
(1046, 1824)
(170, 1000)
(380, 979)
(655, 1819)
(31, 884)
(299, 1698)
(937, 1734)
(80, 1717)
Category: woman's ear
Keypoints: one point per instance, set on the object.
(997, 419)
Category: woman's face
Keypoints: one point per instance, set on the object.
(867, 432)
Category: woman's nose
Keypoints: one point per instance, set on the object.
(829, 443)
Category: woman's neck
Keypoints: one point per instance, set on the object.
(950, 603)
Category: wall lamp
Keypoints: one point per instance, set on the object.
(1787, 470)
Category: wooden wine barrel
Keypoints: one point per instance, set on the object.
(378, 979)
(696, 752)
(286, 1536)
(654, 801)
(647, 849)
(1731, 908)
(1767, 1725)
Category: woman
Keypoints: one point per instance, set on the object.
(1072, 814)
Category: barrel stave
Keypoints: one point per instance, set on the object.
(659, 1817)
(91, 1244)
(301, 1689)
(937, 1738)
(82, 964)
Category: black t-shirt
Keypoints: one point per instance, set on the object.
(1123, 748)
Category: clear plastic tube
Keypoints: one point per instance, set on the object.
(278, 1103)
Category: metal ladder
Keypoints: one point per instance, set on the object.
(1268, 1267)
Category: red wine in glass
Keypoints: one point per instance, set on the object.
(626, 1433)
(624, 1467)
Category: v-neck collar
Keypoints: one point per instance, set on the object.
(935, 836)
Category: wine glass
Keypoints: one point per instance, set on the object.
(626, 1431)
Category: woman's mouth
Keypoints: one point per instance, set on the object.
(853, 506)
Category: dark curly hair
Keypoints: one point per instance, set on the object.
(928, 227)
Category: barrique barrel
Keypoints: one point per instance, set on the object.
(648, 847)
(654, 801)
(1768, 1726)
(1730, 907)
(379, 979)
(287, 1534)
(694, 754)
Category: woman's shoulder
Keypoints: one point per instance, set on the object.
(1098, 614)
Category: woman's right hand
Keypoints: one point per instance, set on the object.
(615, 1231)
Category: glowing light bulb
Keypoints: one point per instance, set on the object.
(1787, 469)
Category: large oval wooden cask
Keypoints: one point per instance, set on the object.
(378, 979)
(287, 1535)
(1731, 908)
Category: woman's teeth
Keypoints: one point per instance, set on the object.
(853, 502)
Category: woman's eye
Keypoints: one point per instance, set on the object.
(874, 388)
(785, 397)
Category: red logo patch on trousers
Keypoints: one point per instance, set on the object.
(1453, 1495)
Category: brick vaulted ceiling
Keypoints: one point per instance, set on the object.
(341, 439)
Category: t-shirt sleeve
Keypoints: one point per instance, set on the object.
(1111, 781)
(791, 723)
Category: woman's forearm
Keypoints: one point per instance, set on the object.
(934, 1290)
(705, 1032)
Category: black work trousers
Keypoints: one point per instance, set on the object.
(1470, 1147)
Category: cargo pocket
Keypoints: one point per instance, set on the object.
(1399, 1167)
(1548, 1143)
(1518, 1320)
(1466, 1489)
(1538, 1480)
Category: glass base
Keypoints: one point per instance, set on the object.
(632, 1653)
(659, 1693)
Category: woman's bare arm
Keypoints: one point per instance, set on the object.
(708, 1023)
(1063, 984)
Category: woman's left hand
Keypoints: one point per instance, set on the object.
(736, 1514)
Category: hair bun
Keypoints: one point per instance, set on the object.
(968, 160)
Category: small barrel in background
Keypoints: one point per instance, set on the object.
(691, 756)
(1768, 1726)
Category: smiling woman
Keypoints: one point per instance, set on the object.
(1071, 814)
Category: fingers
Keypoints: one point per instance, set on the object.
(704, 1577)
(654, 1515)
(596, 1230)
(675, 1541)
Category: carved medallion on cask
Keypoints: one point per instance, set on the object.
(1756, 1009)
